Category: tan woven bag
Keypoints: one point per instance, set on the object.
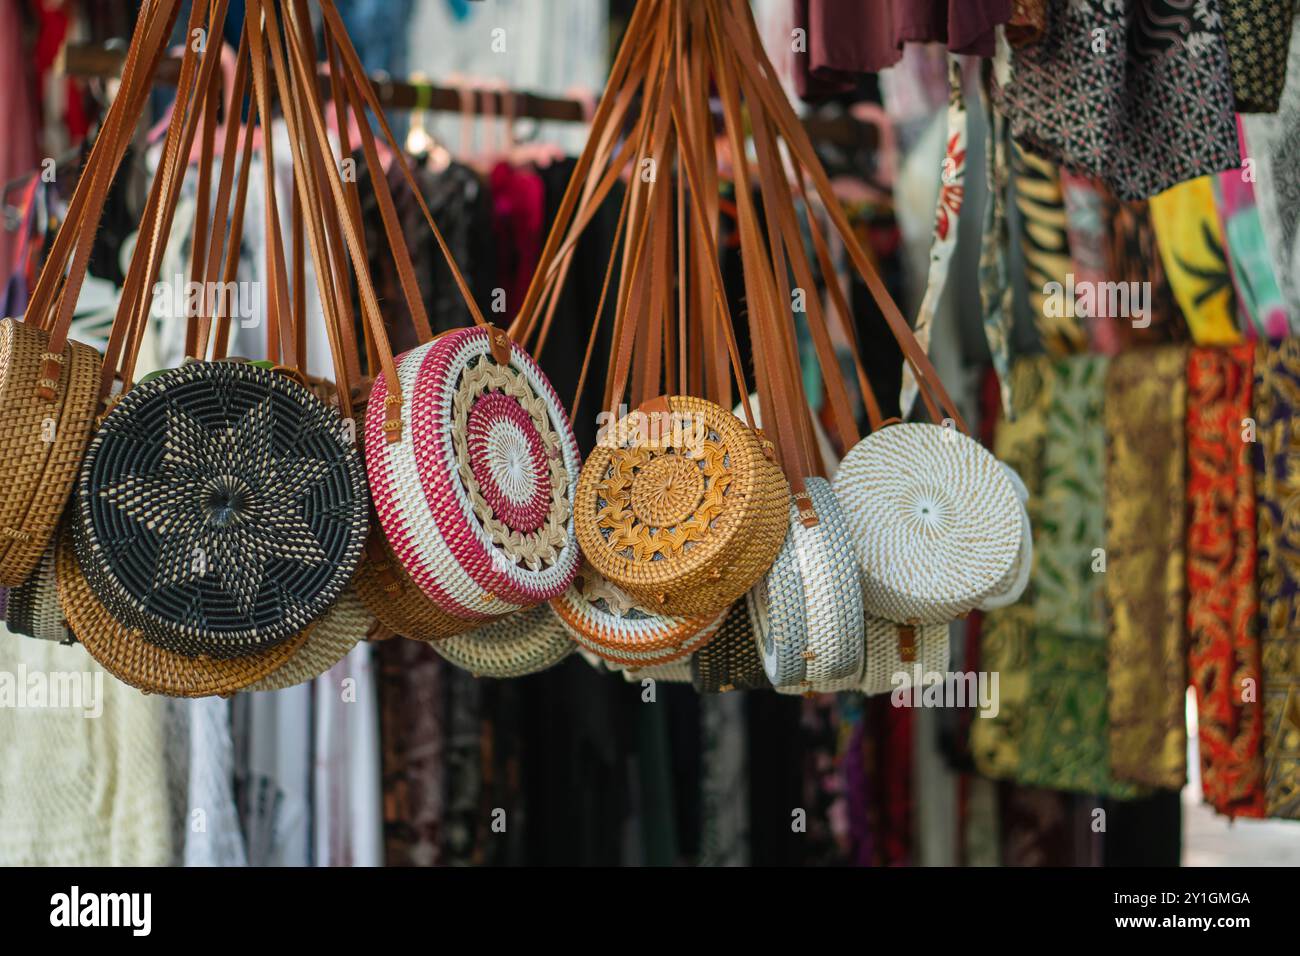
(48, 383)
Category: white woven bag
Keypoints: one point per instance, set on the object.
(936, 521)
(886, 669)
(1018, 578)
(807, 609)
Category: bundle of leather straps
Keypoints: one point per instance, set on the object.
(685, 508)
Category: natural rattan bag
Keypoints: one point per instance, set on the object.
(32, 608)
(732, 660)
(608, 621)
(329, 640)
(48, 383)
(519, 644)
(686, 518)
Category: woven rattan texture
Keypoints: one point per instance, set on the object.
(707, 475)
(610, 623)
(886, 668)
(221, 509)
(476, 497)
(126, 655)
(33, 608)
(678, 672)
(328, 641)
(935, 519)
(523, 643)
(731, 661)
(41, 443)
(386, 589)
(808, 607)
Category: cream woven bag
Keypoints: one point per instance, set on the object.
(519, 644)
(936, 521)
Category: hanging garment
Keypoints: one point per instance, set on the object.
(997, 298)
(1260, 303)
(846, 38)
(1064, 745)
(1277, 487)
(413, 731)
(1006, 632)
(1132, 256)
(1273, 142)
(1136, 93)
(1257, 32)
(725, 785)
(210, 817)
(1046, 246)
(18, 153)
(1085, 226)
(84, 779)
(1223, 651)
(1190, 240)
(1145, 416)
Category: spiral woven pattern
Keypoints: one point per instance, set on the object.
(1016, 579)
(476, 498)
(523, 643)
(41, 443)
(329, 640)
(884, 659)
(125, 654)
(935, 520)
(685, 520)
(609, 622)
(731, 661)
(807, 610)
(388, 592)
(33, 609)
(220, 509)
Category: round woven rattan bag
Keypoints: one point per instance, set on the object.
(517, 645)
(1017, 579)
(609, 622)
(329, 640)
(935, 519)
(33, 607)
(124, 653)
(887, 666)
(732, 660)
(387, 591)
(41, 442)
(680, 506)
(807, 610)
(221, 509)
(475, 499)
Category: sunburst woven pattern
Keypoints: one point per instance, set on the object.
(687, 525)
(33, 607)
(934, 518)
(468, 465)
(609, 622)
(220, 509)
(41, 442)
(329, 640)
(520, 644)
(808, 608)
(731, 661)
(125, 654)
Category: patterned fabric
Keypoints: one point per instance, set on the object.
(1223, 653)
(1133, 256)
(1145, 413)
(1259, 296)
(996, 295)
(1085, 225)
(413, 732)
(1277, 485)
(1190, 240)
(1273, 142)
(1134, 92)
(1257, 32)
(1005, 638)
(1046, 248)
(947, 214)
(1065, 732)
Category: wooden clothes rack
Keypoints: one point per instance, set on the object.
(105, 62)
